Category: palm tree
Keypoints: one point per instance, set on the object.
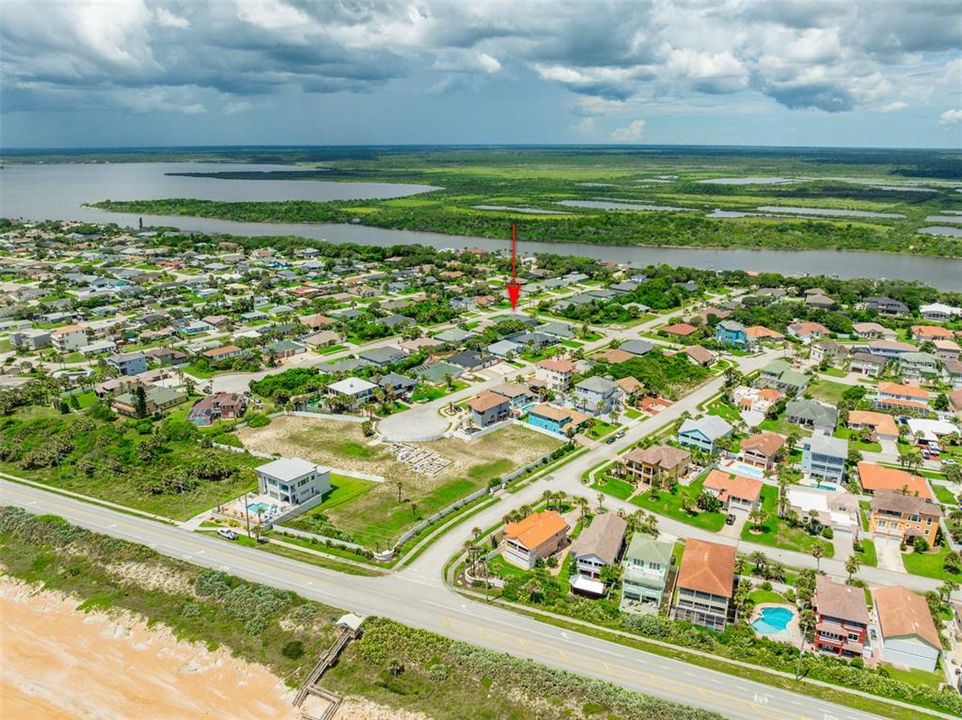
(852, 565)
(651, 525)
(817, 552)
(757, 518)
(759, 560)
(782, 494)
(601, 502)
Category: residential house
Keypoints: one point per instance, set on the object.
(812, 414)
(562, 421)
(907, 636)
(285, 349)
(706, 583)
(636, 347)
(808, 332)
(824, 458)
(753, 399)
(681, 330)
(30, 339)
(401, 386)
(780, 375)
(761, 450)
(662, 463)
(730, 332)
(355, 391)
(644, 577)
(939, 312)
(219, 406)
(225, 352)
(615, 356)
(905, 517)
(382, 356)
(759, 333)
(699, 355)
(323, 339)
(841, 618)
(453, 336)
(316, 322)
(128, 363)
(534, 538)
(828, 350)
(736, 493)
(877, 478)
(556, 374)
(166, 356)
(68, 338)
(489, 408)
(918, 366)
(158, 399)
(867, 364)
(472, 361)
(417, 344)
(952, 369)
(559, 330)
(819, 300)
(292, 480)
(518, 394)
(597, 396)
(890, 348)
(947, 350)
(704, 433)
(885, 306)
(927, 333)
(882, 425)
(901, 398)
(504, 349)
(599, 545)
(872, 331)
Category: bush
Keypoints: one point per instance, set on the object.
(828, 533)
(258, 420)
(293, 650)
(920, 544)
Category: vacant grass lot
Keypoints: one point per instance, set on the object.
(669, 505)
(778, 533)
(929, 564)
(827, 391)
(374, 517)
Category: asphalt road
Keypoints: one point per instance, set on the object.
(420, 600)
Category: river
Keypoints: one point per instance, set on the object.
(58, 191)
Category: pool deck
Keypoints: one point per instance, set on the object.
(791, 634)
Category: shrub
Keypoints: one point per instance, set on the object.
(920, 544)
(293, 650)
(828, 533)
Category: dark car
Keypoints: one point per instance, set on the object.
(730, 520)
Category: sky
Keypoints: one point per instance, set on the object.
(881, 73)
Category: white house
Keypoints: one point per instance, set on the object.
(292, 480)
(939, 312)
(905, 631)
(356, 390)
(69, 338)
(556, 374)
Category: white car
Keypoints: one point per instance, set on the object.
(227, 533)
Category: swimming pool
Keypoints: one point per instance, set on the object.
(772, 620)
(262, 506)
(745, 470)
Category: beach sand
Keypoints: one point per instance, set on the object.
(61, 663)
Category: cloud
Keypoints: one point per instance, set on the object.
(633, 133)
(893, 106)
(826, 55)
(585, 127)
(240, 106)
(950, 117)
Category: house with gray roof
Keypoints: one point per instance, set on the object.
(382, 356)
(812, 414)
(824, 458)
(703, 433)
(292, 481)
(597, 395)
(504, 348)
(636, 347)
(453, 336)
(599, 545)
(560, 330)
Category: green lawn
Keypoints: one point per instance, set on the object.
(723, 409)
(868, 556)
(198, 371)
(929, 564)
(669, 505)
(573, 344)
(826, 390)
(330, 349)
(915, 677)
(503, 569)
(766, 596)
(834, 372)
(433, 392)
(632, 413)
(778, 533)
(783, 427)
(847, 434)
(944, 495)
(614, 486)
(600, 429)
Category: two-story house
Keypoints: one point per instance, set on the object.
(735, 492)
(644, 577)
(906, 634)
(533, 538)
(706, 584)
(489, 408)
(761, 450)
(841, 618)
(556, 374)
(867, 364)
(599, 545)
(704, 433)
(812, 414)
(918, 366)
(661, 463)
(69, 338)
(354, 391)
(906, 517)
(597, 396)
(562, 421)
(731, 332)
(292, 480)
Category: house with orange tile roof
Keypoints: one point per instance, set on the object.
(904, 517)
(759, 333)
(225, 352)
(882, 425)
(706, 584)
(923, 333)
(535, 538)
(808, 332)
(873, 477)
(679, 330)
(760, 450)
(734, 491)
(890, 391)
(616, 356)
(906, 632)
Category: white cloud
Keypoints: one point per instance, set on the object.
(632, 133)
(893, 106)
(585, 127)
(166, 18)
(241, 106)
(950, 117)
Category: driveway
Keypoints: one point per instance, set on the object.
(889, 555)
(842, 542)
(734, 530)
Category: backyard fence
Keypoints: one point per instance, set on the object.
(293, 532)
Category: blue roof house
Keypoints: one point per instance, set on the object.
(729, 332)
(704, 432)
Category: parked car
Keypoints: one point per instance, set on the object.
(730, 520)
(610, 440)
(227, 533)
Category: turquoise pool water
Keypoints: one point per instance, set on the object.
(772, 620)
(262, 506)
(745, 470)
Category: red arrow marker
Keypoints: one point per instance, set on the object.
(514, 288)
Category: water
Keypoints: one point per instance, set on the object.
(619, 205)
(747, 181)
(527, 211)
(262, 506)
(944, 218)
(943, 231)
(773, 620)
(749, 471)
(829, 212)
(44, 192)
